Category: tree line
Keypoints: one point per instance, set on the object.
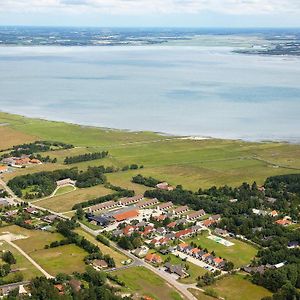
(85, 157)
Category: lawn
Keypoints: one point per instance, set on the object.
(65, 202)
(26, 268)
(236, 287)
(240, 253)
(66, 259)
(117, 256)
(145, 283)
(64, 189)
(200, 295)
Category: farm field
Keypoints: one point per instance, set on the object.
(234, 286)
(192, 163)
(65, 202)
(25, 267)
(240, 253)
(54, 260)
(145, 283)
(117, 256)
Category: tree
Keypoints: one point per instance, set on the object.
(9, 258)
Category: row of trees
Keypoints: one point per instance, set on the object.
(147, 181)
(85, 157)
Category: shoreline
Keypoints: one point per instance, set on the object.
(295, 141)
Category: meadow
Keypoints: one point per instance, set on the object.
(240, 253)
(62, 259)
(145, 283)
(192, 163)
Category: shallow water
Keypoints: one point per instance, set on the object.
(188, 90)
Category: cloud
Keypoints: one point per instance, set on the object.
(127, 7)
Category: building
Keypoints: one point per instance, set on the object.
(219, 262)
(146, 203)
(100, 220)
(208, 223)
(141, 252)
(215, 218)
(122, 215)
(221, 232)
(67, 181)
(172, 224)
(103, 206)
(180, 210)
(75, 285)
(130, 200)
(165, 206)
(99, 264)
(164, 186)
(283, 222)
(32, 210)
(3, 169)
(4, 202)
(176, 269)
(183, 233)
(153, 258)
(50, 218)
(195, 215)
(274, 213)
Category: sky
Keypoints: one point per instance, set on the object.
(151, 13)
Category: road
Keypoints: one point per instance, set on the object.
(136, 262)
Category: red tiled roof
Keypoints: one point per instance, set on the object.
(126, 215)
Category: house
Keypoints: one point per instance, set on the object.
(221, 232)
(66, 181)
(219, 262)
(165, 206)
(148, 230)
(75, 285)
(164, 186)
(35, 161)
(160, 218)
(146, 203)
(60, 288)
(208, 223)
(3, 169)
(141, 252)
(182, 246)
(293, 245)
(4, 202)
(195, 215)
(259, 212)
(32, 210)
(50, 218)
(22, 161)
(196, 228)
(195, 251)
(180, 210)
(176, 269)
(8, 161)
(129, 230)
(183, 233)
(271, 200)
(233, 200)
(153, 258)
(161, 230)
(215, 218)
(283, 222)
(172, 224)
(209, 259)
(102, 206)
(130, 200)
(252, 270)
(99, 264)
(160, 242)
(125, 215)
(102, 220)
(274, 213)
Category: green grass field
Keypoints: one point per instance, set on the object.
(117, 256)
(236, 287)
(25, 267)
(192, 163)
(145, 283)
(240, 253)
(64, 189)
(65, 202)
(63, 259)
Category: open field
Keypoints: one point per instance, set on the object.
(142, 281)
(11, 137)
(55, 260)
(240, 253)
(236, 287)
(66, 259)
(192, 163)
(65, 202)
(200, 295)
(27, 269)
(64, 189)
(117, 256)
